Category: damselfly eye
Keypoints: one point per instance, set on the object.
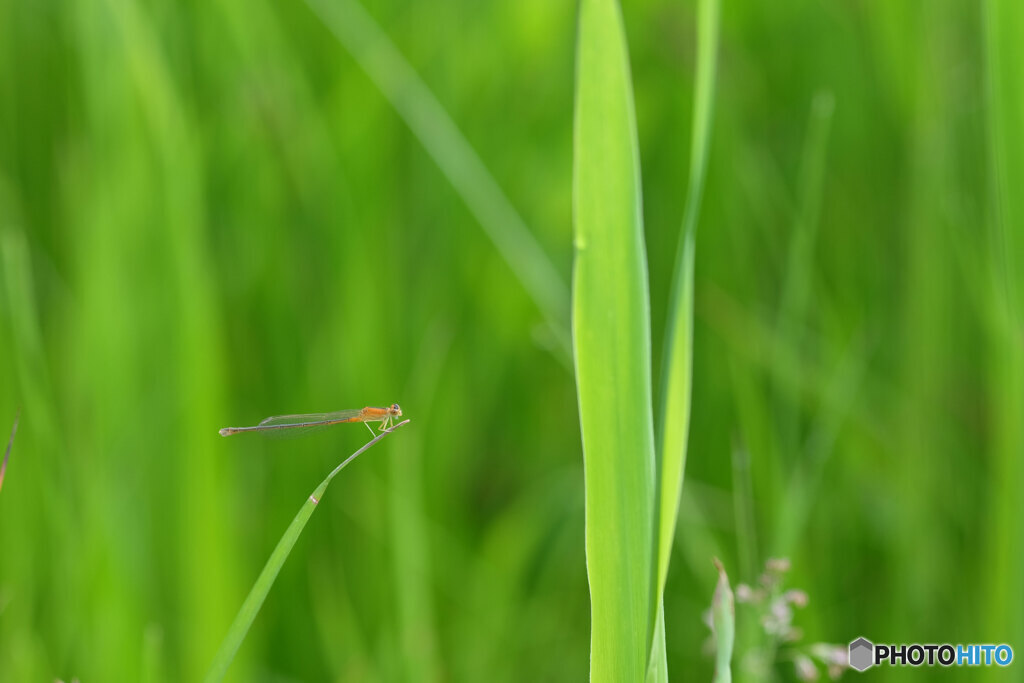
(396, 409)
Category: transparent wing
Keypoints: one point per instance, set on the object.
(294, 431)
(294, 426)
(289, 426)
(311, 419)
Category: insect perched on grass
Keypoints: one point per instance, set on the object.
(294, 425)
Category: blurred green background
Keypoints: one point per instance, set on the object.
(209, 214)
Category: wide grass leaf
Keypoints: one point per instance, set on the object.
(611, 337)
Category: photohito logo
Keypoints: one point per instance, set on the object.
(864, 654)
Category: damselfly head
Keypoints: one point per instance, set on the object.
(395, 410)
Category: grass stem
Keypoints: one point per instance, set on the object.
(247, 614)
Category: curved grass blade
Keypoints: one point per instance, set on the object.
(612, 349)
(674, 423)
(356, 30)
(243, 621)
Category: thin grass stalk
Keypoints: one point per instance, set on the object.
(251, 607)
(798, 278)
(674, 422)
(723, 623)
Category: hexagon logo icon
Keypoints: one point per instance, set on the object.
(862, 653)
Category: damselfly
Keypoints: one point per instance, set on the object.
(301, 424)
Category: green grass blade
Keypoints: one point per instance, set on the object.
(243, 621)
(611, 335)
(678, 364)
(1004, 25)
(798, 281)
(797, 286)
(1004, 19)
(356, 30)
(808, 482)
(22, 315)
(415, 610)
(723, 619)
(744, 513)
